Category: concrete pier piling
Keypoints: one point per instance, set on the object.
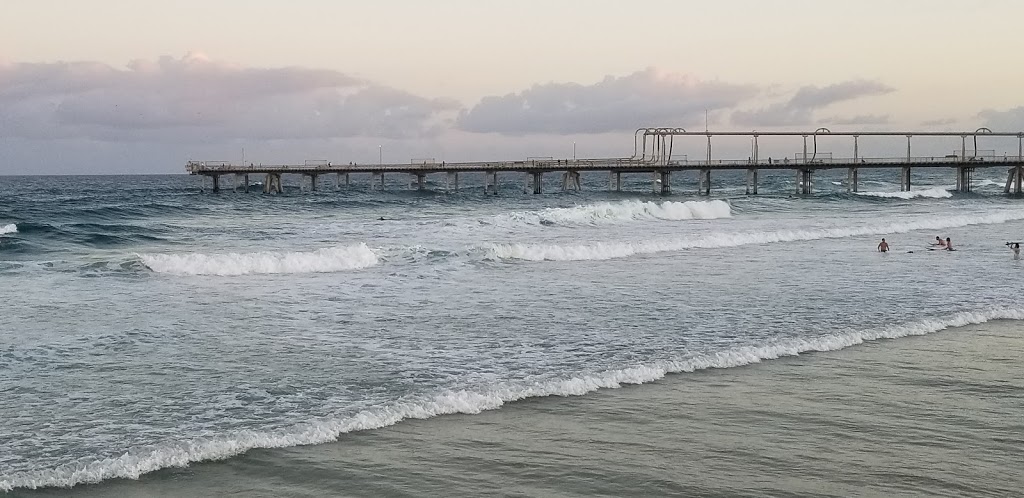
(852, 179)
(1014, 178)
(615, 181)
(752, 181)
(571, 181)
(272, 184)
(491, 182)
(804, 181)
(452, 181)
(905, 179)
(963, 178)
(704, 182)
(535, 182)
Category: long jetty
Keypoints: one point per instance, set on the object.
(653, 153)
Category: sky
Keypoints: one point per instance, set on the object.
(138, 86)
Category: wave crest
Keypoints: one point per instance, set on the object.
(324, 260)
(10, 228)
(612, 250)
(137, 462)
(931, 193)
(611, 212)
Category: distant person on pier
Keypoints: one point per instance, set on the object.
(949, 245)
(883, 246)
(1015, 247)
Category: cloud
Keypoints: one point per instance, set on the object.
(644, 98)
(940, 122)
(1008, 120)
(862, 119)
(196, 98)
(800, 108)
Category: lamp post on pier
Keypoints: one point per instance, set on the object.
(380, 155)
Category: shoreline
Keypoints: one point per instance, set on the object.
(666, 424)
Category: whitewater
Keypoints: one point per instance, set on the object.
(153, 326)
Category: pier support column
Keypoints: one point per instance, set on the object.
(378, 179)
(246, 183)
(905, 179)
(704, 182)
(571, 180)
(216, 182)
(337, 181)
(615, 181)
(1014, 177)
(452, 182)
(804, 178)
(852, 179)
(666, 182)
(537, 181)
(752, 181)
(421, 181)
(272, 185)
(963, 178)
(312, 181)
(491, 182)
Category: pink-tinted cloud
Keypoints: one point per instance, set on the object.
(644, 98)
(195, 98)
(800, 109)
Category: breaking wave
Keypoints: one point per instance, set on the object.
(11, 228)
(136, 462)
(329, 259)
(610, 212)
(612, 250)
(931, 193)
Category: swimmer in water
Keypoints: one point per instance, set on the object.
(1015, 247)
(949, 245)
(883, 246)
(939, 242)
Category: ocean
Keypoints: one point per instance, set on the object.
(162, 340)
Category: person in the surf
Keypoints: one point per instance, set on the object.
(939, 242)
(1015, 247)
(949, 245)
(883, 246)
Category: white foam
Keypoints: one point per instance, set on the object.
(135, 463)
(931, 193)
(11, 228)
(612, 212)
(612, 250)
(329, 259)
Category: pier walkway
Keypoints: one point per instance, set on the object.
(653, 153)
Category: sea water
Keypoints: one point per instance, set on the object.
(148, 324)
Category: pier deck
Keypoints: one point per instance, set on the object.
(653, 153)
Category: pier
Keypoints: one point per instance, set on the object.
(654, 153)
